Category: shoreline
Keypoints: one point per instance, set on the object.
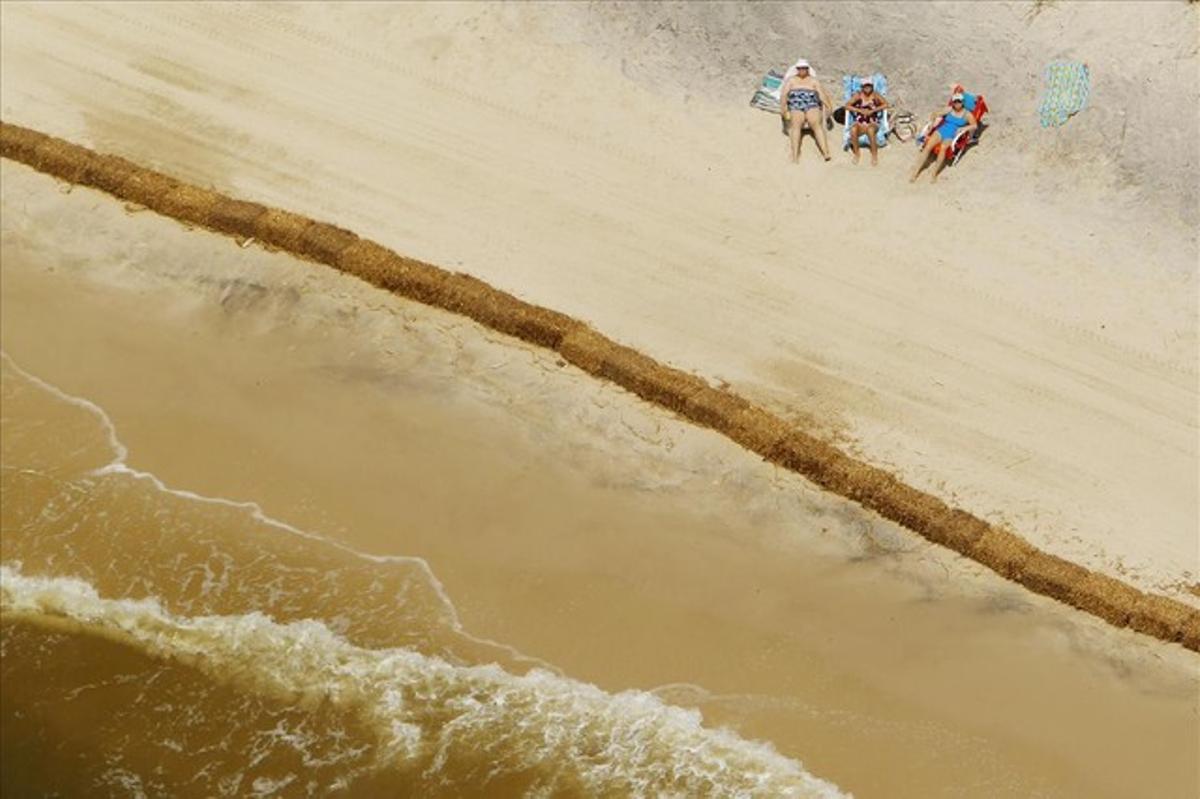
(684, 394)
(562, 515)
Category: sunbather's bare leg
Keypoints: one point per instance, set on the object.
(922, 159)
(794, 125)
(854, 131)
(941, 162)
(816, 121)
(872, 129)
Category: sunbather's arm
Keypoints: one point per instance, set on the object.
(972, 123)
(783, 91)
(825, 101)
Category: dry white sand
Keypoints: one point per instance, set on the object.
(1020, 339)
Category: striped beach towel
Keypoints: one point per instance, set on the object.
(767, 95)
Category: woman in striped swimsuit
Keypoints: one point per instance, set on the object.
(802, 101)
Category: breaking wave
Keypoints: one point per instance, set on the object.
(430, 718)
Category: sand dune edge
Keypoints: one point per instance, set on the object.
(686, 395)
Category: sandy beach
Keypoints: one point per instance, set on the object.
(1020, 339)
(1045, 377)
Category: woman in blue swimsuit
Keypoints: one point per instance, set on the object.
(801, 101)
(939, 141)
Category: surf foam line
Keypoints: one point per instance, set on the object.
(433, 718)
(118, 465)
(687, 395)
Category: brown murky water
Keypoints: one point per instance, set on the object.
(377, 551)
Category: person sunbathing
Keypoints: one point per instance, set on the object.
(802, 100)
(957, 119)
(866, 107)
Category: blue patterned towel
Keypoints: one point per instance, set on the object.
(1067, 87)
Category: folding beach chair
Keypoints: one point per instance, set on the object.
(850, 87)
(962, 140)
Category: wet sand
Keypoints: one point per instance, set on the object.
(562, 518)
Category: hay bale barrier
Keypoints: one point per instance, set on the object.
(519, 319)
(502, 311)
(1003, 553)
(323, 242)
(754, 428)
(281, 229)
(62, 159)
(381, 267)
(235, 217)
(19, 143)
(147, 188)
(367, 261)
(652, 381)
(107, 173)
(1108, 598)
(189, 204)
(1053, 576)
(800, 452)
(1191, 633)
(684, 394)
(1162, 617)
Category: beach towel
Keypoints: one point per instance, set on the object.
(767, 95)
(850, 86)
(1067, 87)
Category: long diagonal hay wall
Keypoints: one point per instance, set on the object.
(684, 394)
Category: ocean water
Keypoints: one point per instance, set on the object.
(310, 669)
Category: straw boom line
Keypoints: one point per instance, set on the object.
(684, 394)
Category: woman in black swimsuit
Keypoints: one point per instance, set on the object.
(866, 106)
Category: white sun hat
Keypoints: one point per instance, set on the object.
(794, 68)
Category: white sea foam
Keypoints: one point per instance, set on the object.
(431, 717)
(119, 465)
